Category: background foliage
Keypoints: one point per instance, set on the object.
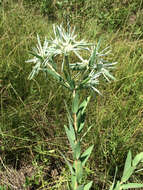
(32, 114)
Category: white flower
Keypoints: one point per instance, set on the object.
(65, 41)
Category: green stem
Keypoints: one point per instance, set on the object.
(67, 65)
(74, 116)
(75, 128)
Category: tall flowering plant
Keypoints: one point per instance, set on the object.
(81, 74)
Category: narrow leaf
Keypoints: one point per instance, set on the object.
(79, 170)
(106, 72)
(128, 174)
(127, 163)
(69, 113)
(88, 186)
(86, 132)
(93, 56)
(81, 125)
(118, 186)
(138, 158)
(131, 185)
(81, 187)
(86, 154)
(83, 105)
(113, 184)
(54, 74)
(77, 150)
(73, 182)
(71, 128)
(71, 137)
(69, 165)
(36, 55)
(75, 103)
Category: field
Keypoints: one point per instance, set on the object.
(33, 113)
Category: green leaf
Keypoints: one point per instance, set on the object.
(138, 158)
(54, 74)
(68, 79)
(75, 103)
(93, 56)
(106, 72)
(88, 186)
(85, 81)
(81, 125)
(84, 157)
(80, 120)
(69, 186)
(70, 138)
(127, 163)
(71, 128)
(57, 76)
(53, 64)
(69, 165)
(79, 170)
(80, 187)
(70, 133)
(131, 185)
(77, 150)
(36, 55)
(118, 186)
(72, 84)
(83, 105)
(92, 59)
(81, 114)
(73, 182)
(128, 174)
(112, 186)
(86, 132)
(69, 113)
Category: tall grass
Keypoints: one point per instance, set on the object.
(31, 115)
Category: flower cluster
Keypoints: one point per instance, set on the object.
(62, 44)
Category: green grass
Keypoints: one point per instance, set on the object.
(32, 115)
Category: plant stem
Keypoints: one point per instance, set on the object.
(74, 115)
(75, 128)
(67, 65)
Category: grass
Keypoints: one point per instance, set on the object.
(32, 116)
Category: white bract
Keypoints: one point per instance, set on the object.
(82, 73)
(62, 44)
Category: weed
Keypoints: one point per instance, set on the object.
(31, 114)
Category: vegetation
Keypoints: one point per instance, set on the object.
(32, 112)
